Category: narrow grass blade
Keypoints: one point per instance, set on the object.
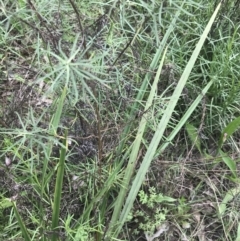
(21, 223)
(228, 131)
(162, 125)
(53, 128)
(184, 119)
(57, 115)
(58, 187)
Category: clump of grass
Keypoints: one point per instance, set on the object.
(123, 89)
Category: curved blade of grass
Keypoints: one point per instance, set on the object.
(135, 149)
(229, 162)
(228, 131)
(21, 223)
(162, 125)
(58, 187)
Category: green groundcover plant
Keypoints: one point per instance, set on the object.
(95, 93)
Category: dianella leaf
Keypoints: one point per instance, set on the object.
(58, 186)
(162, 126)
(135, 148)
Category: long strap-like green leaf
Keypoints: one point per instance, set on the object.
(162, 125)
(58, 186)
